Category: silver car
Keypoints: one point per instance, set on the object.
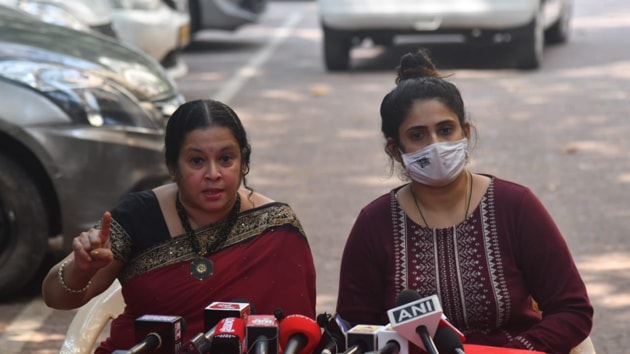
(523, 26)
(81, 124)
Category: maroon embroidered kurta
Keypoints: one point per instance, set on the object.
(485, 270)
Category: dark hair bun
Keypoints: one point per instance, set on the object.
(415, 65)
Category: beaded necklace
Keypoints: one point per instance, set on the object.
(202, 267)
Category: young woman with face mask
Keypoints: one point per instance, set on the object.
(485, 246)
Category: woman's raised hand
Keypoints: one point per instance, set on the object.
(92, 249)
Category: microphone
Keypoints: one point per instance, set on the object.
(157, 334)
(213, 313)
(448, 341)
(261, 333)
(416, 319)
(333, 339)
(445, 323)
(229, 336)
(362, 338)
(391, 347)
(299, 334)
(148, 344)
(390, 342)
(219, 310)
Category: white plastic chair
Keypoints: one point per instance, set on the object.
(586, 347)
(90, 320)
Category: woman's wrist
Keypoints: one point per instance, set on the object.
(63, 280)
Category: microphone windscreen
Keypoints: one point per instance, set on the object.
(406, 296)
(228, 336)
(446, 340)
(322, 319)
(299, 324)
(444, 322)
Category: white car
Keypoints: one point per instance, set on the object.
(522, 25)
(84, 15)
(160, 28)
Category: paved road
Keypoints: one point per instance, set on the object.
(562, 130)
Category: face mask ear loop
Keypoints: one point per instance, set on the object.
(467, 157)
(400, 153)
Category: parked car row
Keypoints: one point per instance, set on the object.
(85, 96)
(81, 124)
(523, 26)
(161, 28)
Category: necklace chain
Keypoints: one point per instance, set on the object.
(223, 233)
(468, 194)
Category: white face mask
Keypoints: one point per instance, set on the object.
(437, 164)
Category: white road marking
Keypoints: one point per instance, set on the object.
(229, 90)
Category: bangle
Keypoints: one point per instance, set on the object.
(63, 282)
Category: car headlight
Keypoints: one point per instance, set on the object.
(86, 97)
(136, 4)
(51, 13)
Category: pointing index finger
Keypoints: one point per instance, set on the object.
(105, 224)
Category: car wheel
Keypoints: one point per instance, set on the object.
(336, 51)
(559, 31)
(529, 50)
(23, 228)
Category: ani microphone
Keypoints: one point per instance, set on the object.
(416, 318)
(299, 334)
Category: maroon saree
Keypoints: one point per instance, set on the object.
(266, 261)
